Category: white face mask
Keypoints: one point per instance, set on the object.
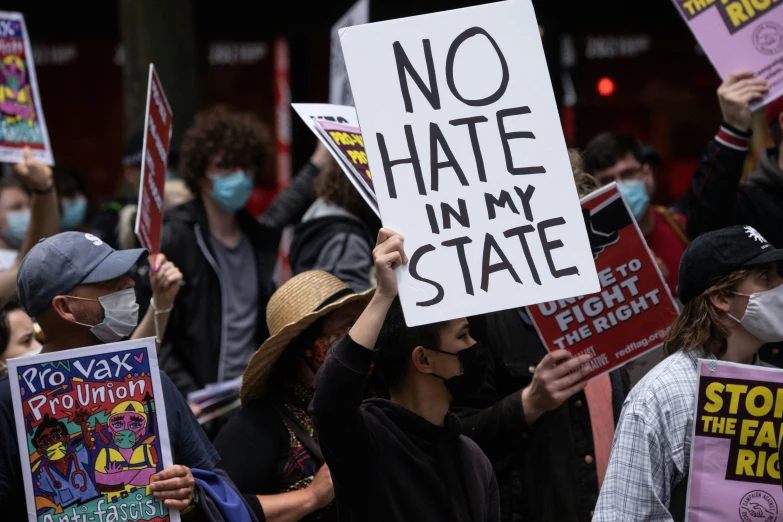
(764, 315)
(120, 315)
(33, 352)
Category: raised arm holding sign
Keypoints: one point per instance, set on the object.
(463, 137)
(740, 34)
(22, 122)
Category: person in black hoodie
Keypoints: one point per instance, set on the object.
(405, 458)
(336, 233)
(717, 198)
(227, 257)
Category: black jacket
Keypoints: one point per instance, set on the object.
(192, 348)
(388, 464)
(717, 199)
(330, 238)
(542, 471)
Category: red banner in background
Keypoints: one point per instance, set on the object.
(157, 138)
(631, 314)
(282, 59)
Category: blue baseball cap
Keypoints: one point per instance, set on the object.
(58, 264)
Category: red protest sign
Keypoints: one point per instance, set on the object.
(157, 138)
(631, 314)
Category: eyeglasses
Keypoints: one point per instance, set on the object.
(628, 174)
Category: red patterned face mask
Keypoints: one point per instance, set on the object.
(322, 344)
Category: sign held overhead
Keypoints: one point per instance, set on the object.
(155, 156)
(22, 122)
(469, 162)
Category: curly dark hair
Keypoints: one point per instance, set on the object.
(239, 138)
(334, 186)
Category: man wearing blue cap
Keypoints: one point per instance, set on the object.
(75, 285)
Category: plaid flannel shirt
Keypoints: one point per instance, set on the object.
(652, 443)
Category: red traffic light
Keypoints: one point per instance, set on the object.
(605, 86)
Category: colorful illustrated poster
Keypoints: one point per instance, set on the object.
(347, 142)
(734, 471)
(91, 426)
(157, 138)
(631, 314)
(22, 121)
(740, 35)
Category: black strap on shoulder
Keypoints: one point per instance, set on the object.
(293, 424)
(678, 500)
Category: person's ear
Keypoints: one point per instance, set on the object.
(720, 300)
(62, 307)
(649, 177)
(420, 360)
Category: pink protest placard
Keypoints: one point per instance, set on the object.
(734, 471)
(740, 35)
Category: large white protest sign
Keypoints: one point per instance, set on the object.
(468, 159)
(339, 85)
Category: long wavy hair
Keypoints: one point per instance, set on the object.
(585, 183)
(700, 323)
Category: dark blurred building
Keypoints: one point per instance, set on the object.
(613, 68)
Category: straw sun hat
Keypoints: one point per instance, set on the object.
(296, 305)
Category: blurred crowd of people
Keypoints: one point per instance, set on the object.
(347, 413)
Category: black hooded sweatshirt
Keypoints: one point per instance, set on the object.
(718, 199)
(389, 464)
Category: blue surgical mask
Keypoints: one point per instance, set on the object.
(231, 191)
(636, 196)
(74, 211)
(18, 223)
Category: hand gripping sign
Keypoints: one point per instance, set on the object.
(469, 163)
(631, 314)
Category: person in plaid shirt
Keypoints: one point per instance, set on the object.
(732, 293)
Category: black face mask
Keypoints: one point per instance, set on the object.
(474, 366)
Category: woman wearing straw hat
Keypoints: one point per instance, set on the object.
(269, 448)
